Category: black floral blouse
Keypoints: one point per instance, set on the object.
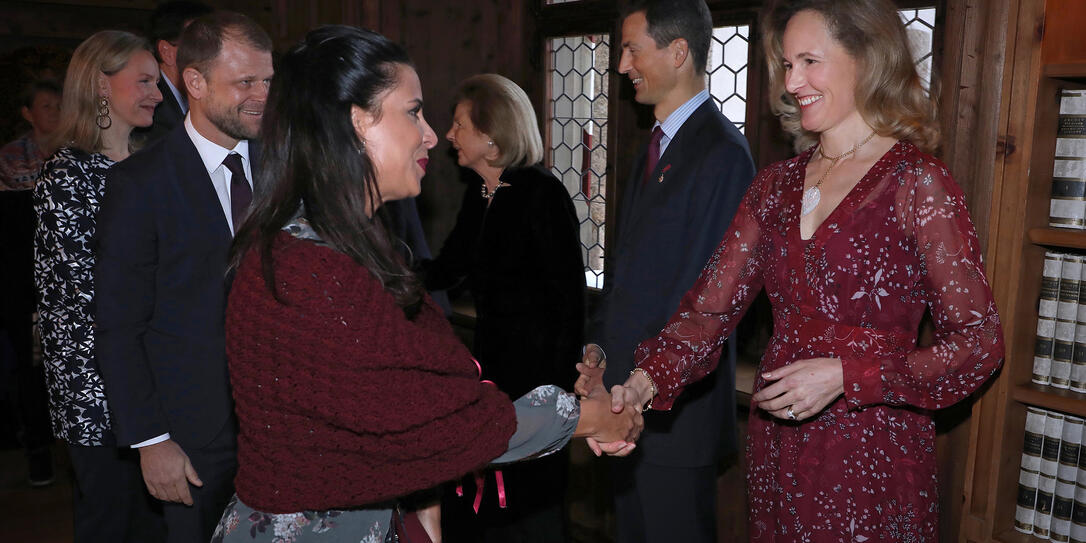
(66, 201)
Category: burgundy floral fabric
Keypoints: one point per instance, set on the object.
(900, 243)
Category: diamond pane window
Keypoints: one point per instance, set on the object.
(727, 68)
(920, 26)
(577, 146)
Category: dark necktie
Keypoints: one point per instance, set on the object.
(241, 194)
(652, 158)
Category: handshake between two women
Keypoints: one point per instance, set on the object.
(618, 411)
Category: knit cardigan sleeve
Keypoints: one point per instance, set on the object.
(343, 398)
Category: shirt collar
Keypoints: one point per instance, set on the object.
(674, 122)
(211, 153)
(176, 93)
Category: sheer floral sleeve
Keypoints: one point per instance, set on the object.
(968, 346)
(710, 310)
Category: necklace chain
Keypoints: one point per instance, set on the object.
(835, 159)
(813, 195)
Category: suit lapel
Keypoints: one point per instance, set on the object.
(651, 191)
(196, 185)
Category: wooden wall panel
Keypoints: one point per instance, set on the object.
(1008, 270)
(1063, 41)
(970, 75)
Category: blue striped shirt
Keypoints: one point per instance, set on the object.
(674, 122)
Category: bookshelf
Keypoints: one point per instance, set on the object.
(1045, 53)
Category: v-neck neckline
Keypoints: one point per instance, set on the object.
(857, 191)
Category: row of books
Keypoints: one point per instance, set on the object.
(1052, 480)
(1059, 357)
(1067, 208)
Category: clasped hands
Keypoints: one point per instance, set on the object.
(625, 398)
(797, 391)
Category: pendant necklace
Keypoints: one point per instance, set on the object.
(813, 195)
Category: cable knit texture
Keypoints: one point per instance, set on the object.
(341, 400)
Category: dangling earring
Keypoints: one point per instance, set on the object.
(103, 120)
(361, 146)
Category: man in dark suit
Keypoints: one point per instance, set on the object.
(165, 229)
(674, 212)
(167, 21)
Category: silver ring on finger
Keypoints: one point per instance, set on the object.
(791, 414)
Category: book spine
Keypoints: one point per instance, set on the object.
(1028, 475)
(1078, 511)
(1078, 516)
(1067, 208)
(1046, 483)
(1066, 318)
(1046, 318)
(1078, 357)
(1062, 507)
(1066, 477)
(1042, 516)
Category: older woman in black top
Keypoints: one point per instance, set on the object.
(516, 243)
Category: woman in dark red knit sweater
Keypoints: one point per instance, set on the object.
(351, 389)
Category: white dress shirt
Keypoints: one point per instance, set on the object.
(212, 155)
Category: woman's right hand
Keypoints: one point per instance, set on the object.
(600, 423)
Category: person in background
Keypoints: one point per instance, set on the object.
(516, 243)
(167, 221)
(110, 88)
(21, 160)
(352, 390)
(675, 208)
(167, 21)
(20, 164)
(854, 240)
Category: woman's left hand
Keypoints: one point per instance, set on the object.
(802, 389)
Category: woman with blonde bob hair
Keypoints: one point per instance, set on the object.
(516, 243)
(110, 88)
(853, 240)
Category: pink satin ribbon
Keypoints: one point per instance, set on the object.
(480, 484)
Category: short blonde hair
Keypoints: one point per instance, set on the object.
(104, 53)
(501, 110)
(889, 93)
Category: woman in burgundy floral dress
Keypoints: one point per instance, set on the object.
(853, 240)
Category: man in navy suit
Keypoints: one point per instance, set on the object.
(167, 22)
(674, 212)
(165, 229)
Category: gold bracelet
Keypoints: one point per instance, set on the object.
(652, 384)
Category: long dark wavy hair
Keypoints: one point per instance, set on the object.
(313, 160)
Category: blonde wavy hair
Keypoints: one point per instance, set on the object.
(889, 93)
(104, 53)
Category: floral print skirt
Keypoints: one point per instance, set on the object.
(241, 523)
